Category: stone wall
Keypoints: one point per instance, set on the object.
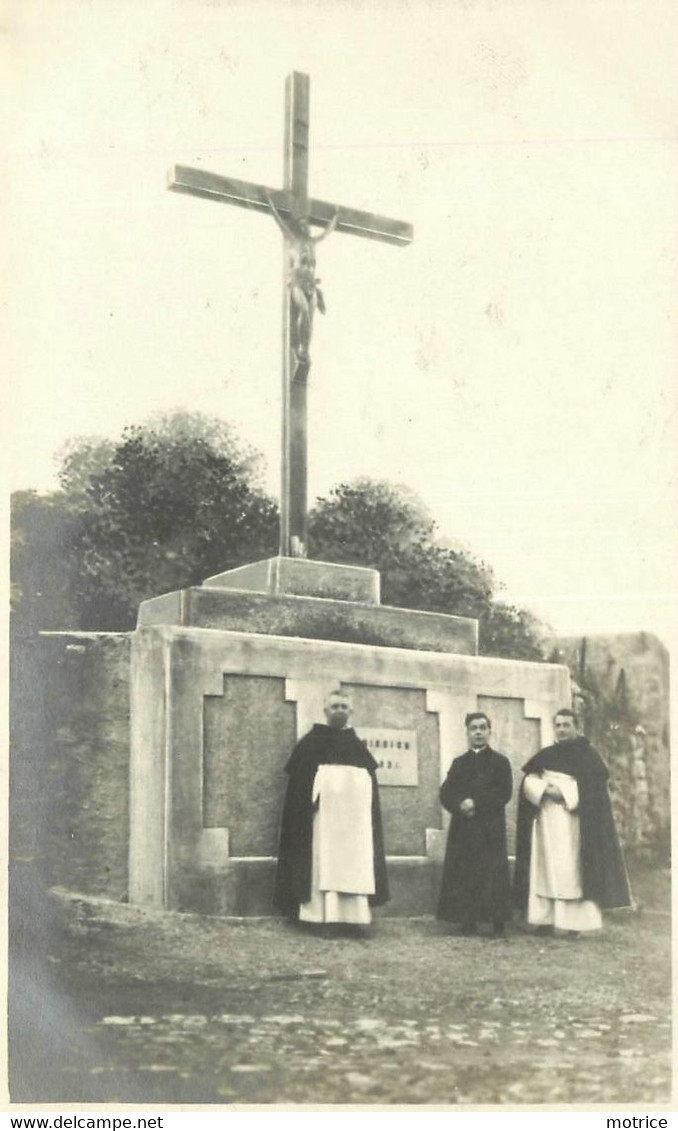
(69, 785)
(219, 718)
(638, 756)
(215, 715)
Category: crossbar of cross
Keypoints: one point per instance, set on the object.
(292, 205)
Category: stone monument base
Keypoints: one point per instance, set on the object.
(315, 600)
(216, 713)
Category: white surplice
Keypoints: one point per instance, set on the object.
(342, 869)
(556, 894)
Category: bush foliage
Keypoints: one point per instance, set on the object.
(179, 499)
(373, 523)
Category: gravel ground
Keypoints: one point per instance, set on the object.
(118, 1004)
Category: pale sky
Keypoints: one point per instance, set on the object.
(516, 365)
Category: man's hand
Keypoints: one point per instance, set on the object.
(467, 807)
(552, 792)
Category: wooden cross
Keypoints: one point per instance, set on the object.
(292, 204)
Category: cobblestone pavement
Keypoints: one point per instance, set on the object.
(132, 1006)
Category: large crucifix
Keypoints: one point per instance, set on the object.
(294, 212)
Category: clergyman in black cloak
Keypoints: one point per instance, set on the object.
(331, 744)
(600, 869)
(476, 885)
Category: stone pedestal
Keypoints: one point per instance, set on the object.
(297, 597)
(302, 577)
(222, 691)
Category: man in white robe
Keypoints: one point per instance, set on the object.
(556, 896)
(342, 869)
(331, 862)
(568, 860)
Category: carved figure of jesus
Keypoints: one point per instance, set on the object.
(302, 282)
(302, 293)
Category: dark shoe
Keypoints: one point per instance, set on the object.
(322, 930)
(546, 930)
(353, 930)
(571, 935)
(468, 929)
(498, 929)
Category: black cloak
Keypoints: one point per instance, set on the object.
(476, 882)
(323, 745)
(602, 865)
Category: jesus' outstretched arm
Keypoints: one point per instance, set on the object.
(329, 229)
(286, 230)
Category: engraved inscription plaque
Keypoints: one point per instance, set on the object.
(396, 753)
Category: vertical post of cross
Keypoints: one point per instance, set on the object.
(294, 214)
(294, 471)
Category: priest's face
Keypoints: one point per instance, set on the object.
(478, 733)
(337, 711)
(565, 728)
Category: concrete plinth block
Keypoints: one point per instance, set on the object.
(245, 888)
(302, 577)
(215, 715)
(314, 618)
(436, 841)
(415, 887)
(212, 849)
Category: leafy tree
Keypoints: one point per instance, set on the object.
(80, 459)
(179, 498)
(165, 506)
(176, 501)
(373, 523)
(366, 521)
(507, 630)
(43, 527)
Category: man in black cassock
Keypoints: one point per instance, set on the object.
(569, 863)
(476, 886)
(331, 862)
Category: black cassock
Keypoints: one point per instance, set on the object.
(323, 745)
(476, 882)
